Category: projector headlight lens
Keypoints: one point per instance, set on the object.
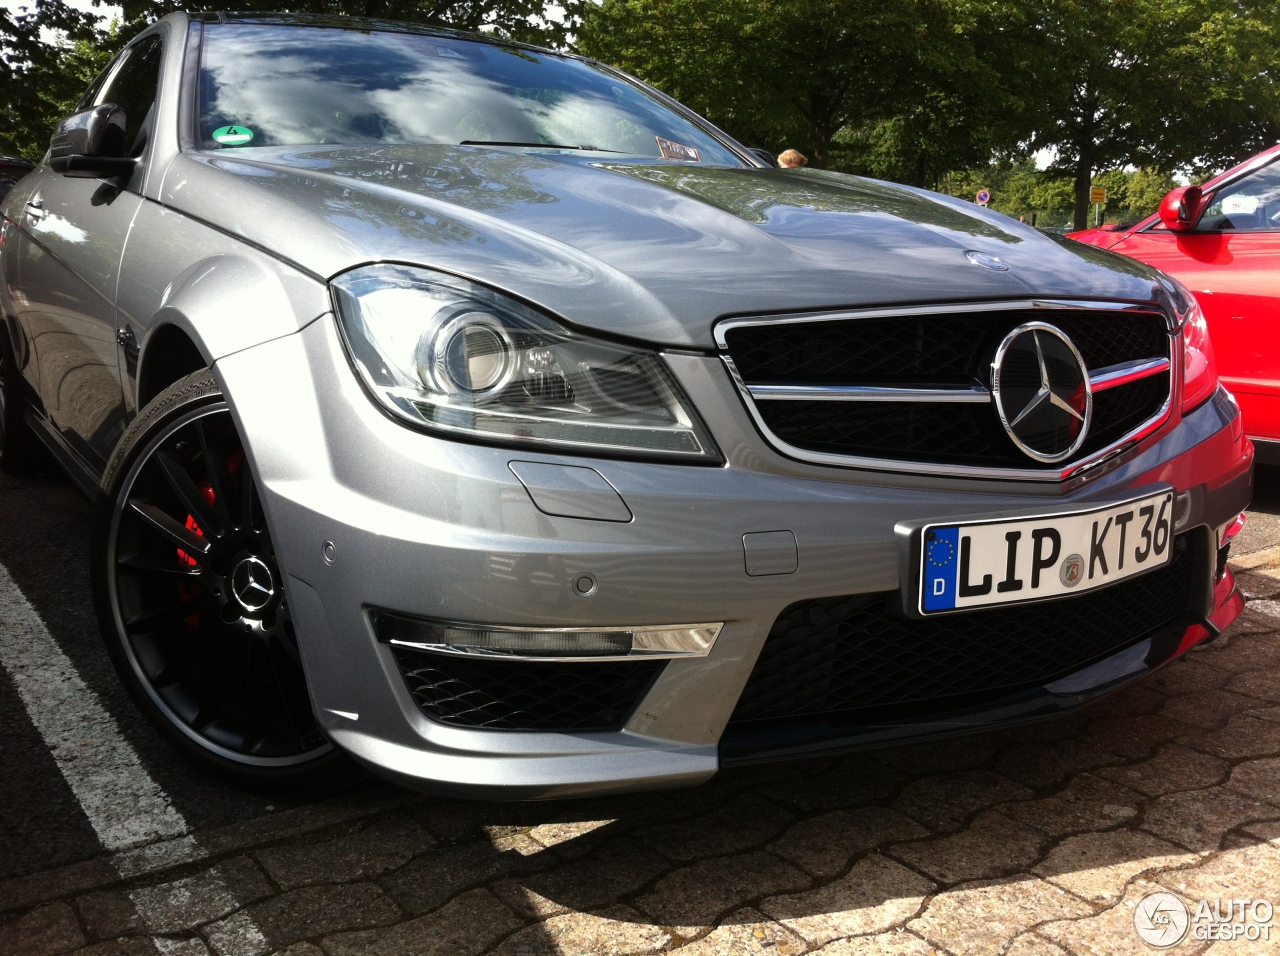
(456, 357)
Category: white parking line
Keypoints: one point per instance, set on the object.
(132, 816)
(126, 807)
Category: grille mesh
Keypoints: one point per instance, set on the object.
(965, 434)
(840, 654)
(524, 695)
(940, 351)
(941, 348)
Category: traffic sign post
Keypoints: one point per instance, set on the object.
(1097, 196)
(984, 196)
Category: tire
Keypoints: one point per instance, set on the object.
(179, 531)
(20, 450)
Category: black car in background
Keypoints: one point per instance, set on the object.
(12, 168)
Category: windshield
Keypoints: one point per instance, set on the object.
(273, 85)
(1251, 204)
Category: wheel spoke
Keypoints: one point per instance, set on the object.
(248, 495)
(258, 692)
(170, 612)
(137, 562)
(285, 640)
(186, 539)
(287, 700)
(215, 462)
(192, 498)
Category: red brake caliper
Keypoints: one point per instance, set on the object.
(206, 489)
(185, 589)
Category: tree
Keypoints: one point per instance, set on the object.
(525, 20)
(902, 89)
(789, 73)
(970, 98)
(1173, 84)
(48, 54)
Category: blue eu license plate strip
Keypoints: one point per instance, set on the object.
(988, 563)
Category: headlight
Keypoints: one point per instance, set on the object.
(1199, 367)
(453, 356)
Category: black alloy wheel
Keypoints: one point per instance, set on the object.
(191, 600)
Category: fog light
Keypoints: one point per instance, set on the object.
(541, 644)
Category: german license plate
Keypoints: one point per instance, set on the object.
(987, 563)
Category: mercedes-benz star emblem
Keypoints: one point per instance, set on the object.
(252, 584)
(1041, 389)
(987, 261)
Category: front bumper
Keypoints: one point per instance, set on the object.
(366, 513)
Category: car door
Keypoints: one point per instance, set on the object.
(72, 235)
(1231, 261)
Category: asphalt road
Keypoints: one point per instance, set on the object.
(62, 869)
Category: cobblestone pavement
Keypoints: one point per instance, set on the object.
(1038, 841)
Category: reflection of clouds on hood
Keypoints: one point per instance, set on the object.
(312, 85)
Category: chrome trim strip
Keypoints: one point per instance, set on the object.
(800, 318)
(1115, 375)
(1115, 449)
(650, 643)
(464, 650)
(976, 394)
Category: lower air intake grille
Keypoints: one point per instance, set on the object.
(839, 654)
(521, 695)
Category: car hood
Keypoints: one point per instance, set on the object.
(652, 251)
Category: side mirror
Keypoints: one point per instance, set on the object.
(763, 155)
(1180, 209)
(90, 144)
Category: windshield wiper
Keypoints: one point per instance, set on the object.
(494, 142)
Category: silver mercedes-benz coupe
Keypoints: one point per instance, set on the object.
(481, 414)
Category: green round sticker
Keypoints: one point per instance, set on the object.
(232, 135)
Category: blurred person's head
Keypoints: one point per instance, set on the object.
(792, 159)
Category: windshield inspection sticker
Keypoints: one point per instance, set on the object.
(232, 135)
(672, 150)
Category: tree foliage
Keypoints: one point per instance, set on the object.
(913, 89)
(1019, 189)
(1178, 84)
(906, 88)
(525, 20)
(48, 54)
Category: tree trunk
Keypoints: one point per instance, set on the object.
(922, 168)
(821, 148)
(1083, 183)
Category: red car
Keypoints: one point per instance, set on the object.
(1222, 240)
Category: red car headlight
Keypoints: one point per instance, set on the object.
(1199, 368)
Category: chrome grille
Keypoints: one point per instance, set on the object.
(911, 388)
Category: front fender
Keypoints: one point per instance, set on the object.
(223, 293)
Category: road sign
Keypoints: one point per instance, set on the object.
(984, 196)
(1097, 194)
